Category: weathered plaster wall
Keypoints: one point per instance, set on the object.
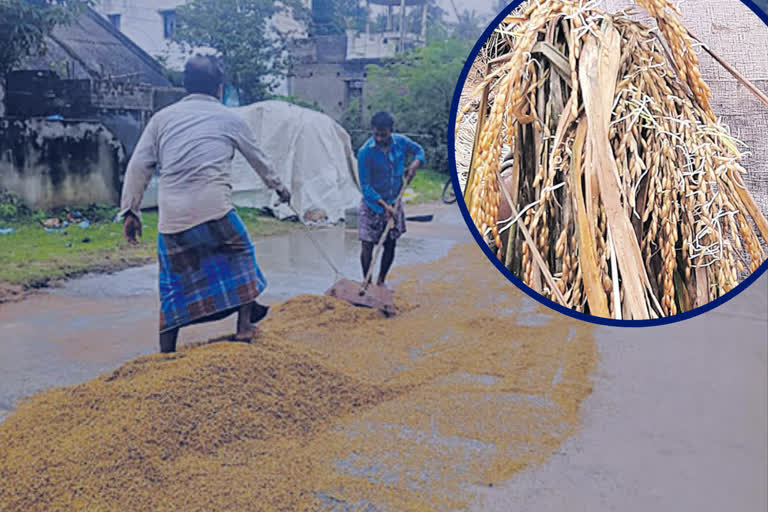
(322, 84)
(59, 163)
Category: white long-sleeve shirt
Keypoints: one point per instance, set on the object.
(192, 143)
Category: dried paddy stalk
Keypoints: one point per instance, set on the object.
(648, 216)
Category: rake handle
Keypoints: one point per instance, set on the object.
(308, 232)
(377, 250)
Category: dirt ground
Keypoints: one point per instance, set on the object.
(11, 292)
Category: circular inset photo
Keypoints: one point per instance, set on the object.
(610, 158)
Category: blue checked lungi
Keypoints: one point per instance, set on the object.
(207, 271)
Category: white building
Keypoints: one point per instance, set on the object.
(151, 25)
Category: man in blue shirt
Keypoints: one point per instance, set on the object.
(382, 167)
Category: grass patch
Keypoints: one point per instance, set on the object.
(428, 185)
(32, 257)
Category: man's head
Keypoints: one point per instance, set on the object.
(203, 74)
(382, 126)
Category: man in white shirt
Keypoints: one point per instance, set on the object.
(208, 267)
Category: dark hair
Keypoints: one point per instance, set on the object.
(383, 121)
(203, 74)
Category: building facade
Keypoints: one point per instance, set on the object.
(71, 116)
(151, 24)
(329, 69)
(148, 23)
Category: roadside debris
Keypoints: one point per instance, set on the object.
(410, 195)
(57, 225)
(53, 222)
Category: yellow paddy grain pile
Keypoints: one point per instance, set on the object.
(120, 441)
(623, 195)
(332, 406)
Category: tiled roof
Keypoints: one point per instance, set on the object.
(94, 48)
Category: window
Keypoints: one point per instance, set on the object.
(114, 19)
(169, 23)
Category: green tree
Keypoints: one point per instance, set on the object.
(252, 51)
(436, 26)
(334, 17)
(435, 21)
(469, 26)
(418, 89)
(24, 24)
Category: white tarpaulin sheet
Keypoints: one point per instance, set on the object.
(312, 155)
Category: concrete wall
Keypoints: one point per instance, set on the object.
(321, 83)
(323, 74)
(59, 163)
(372, 46)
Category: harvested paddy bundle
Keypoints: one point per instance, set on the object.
(622, 193)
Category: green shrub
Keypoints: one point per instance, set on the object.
(11, 206)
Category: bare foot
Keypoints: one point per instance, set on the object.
(245, 336)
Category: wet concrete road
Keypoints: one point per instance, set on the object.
(678, 419)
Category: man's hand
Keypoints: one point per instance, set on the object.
(411, 172)
(131, 228)
(284, 194)
(388, 209)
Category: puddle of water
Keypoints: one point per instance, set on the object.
(290, 262)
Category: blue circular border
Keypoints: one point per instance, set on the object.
(506, 272)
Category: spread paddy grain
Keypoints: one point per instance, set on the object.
(331, 406)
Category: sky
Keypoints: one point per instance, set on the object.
(482, 7)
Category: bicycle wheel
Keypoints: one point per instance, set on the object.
(449, 196)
